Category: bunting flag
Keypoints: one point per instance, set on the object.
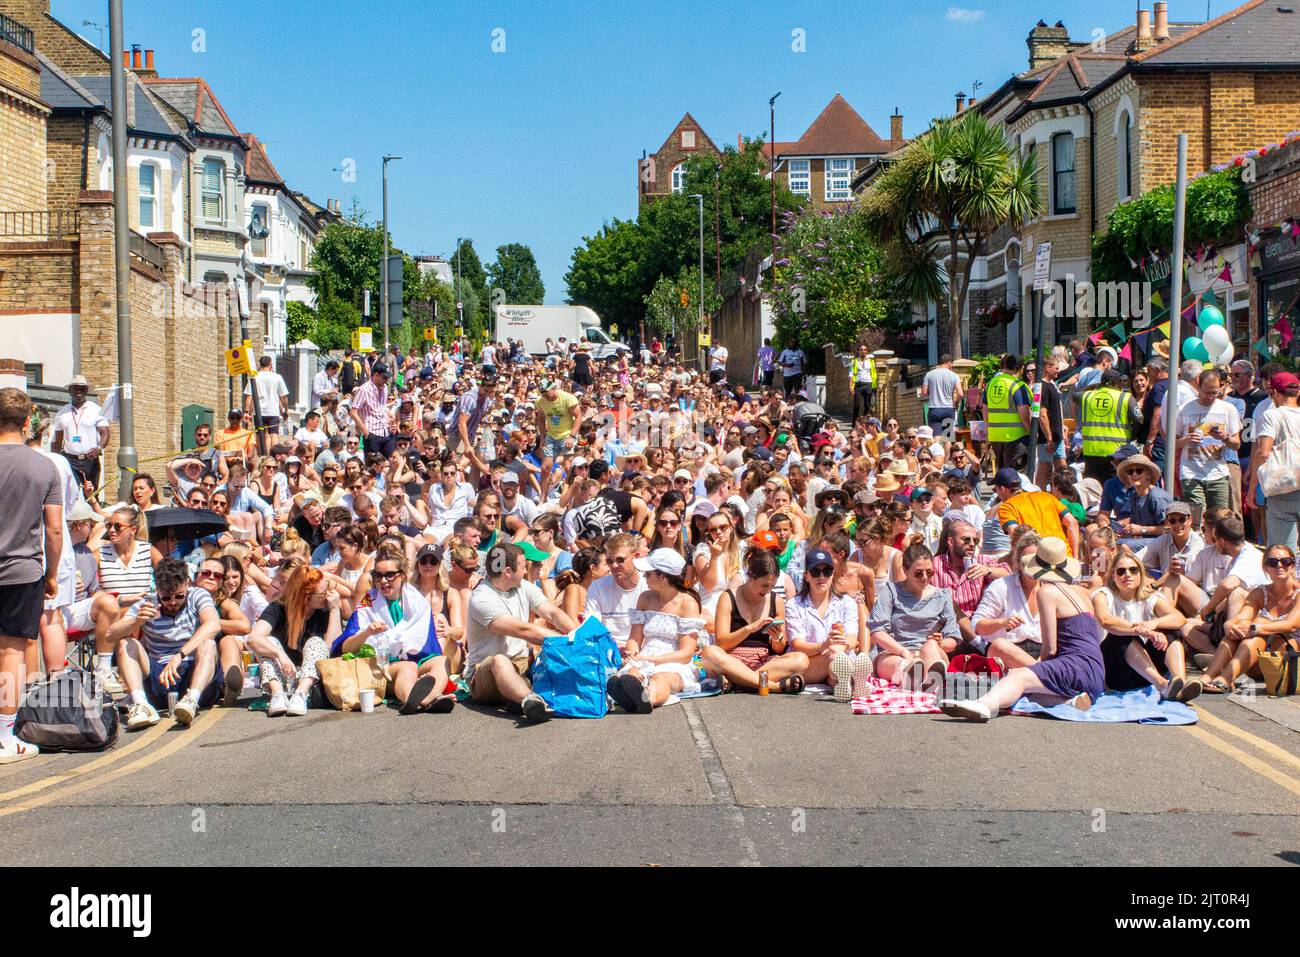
(1117, 330)
(1262, 347)
(1126, 352)
(1189, 313)
(1157, 300)
(1284, 326)
(1164, 328)
(1096, 337)
(1226, 275)
(1209, 298)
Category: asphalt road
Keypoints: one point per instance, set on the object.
(735, 780)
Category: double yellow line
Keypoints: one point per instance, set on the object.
(1289, 781)
(140, 742)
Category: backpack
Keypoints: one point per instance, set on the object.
(68, 712)
(571, 672)
(598, 517)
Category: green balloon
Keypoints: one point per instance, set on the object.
(1194, 348)
(1210, 316)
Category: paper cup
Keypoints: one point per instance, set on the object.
(367, 700)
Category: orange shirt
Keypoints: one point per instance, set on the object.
(1041, 511)
(236, 442)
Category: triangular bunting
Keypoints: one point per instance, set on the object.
(1226, 275)
(1117, 330)
(1284, 326)
(1209, 298)
(1157, 300)
(1164, 328)
(1096, 337)
(1126, 352)
(1261, 347)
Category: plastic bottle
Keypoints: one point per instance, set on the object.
(762, 683)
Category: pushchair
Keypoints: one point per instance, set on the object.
(809, 419)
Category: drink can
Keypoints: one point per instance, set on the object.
(248, 659)
(762, 683)
(172, 698)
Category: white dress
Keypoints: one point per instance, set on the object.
(661, 635)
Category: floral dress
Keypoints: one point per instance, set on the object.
(661, 634)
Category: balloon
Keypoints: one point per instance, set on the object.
(1210, 316)
(1194, 348)
(1215, 340)
(1225, 357)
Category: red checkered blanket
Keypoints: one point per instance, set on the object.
(884, 698)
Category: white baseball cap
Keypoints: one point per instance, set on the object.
(510, 478)
(662, 560)
(682, 474)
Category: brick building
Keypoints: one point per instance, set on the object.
(818, 166)
(1275, 278)
(1100, 119)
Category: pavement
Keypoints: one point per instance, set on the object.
(732, 780)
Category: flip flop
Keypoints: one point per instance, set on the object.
(1191, 689)
(443, 704)
(791, 684)
(419, 691)
(1174, 690)
(1215, 686)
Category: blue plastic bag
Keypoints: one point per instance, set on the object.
(571, 671)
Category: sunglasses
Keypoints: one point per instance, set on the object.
(387, 576)
(1126, 571)
(115, 527)
(206, 573)
(663, 524)
(923, 573)
(821, 571)
(1280, 562)
(428, 560)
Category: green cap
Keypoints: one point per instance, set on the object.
(532, 552)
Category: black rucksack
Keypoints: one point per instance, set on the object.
(68, 712)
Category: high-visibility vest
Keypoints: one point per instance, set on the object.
(1105, 421)
(1003, 416)
(856, 364)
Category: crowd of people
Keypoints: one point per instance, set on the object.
(445, 514)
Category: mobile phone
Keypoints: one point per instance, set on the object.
(776, 623)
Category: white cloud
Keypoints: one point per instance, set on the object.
(962, 15)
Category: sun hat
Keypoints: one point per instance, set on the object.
(866, 497)
(663, 560)
(81, 512)
(886, 484)
(900, 469)
(532, 552)
(701, 507)
(1140, 461)
(1053, 563)
(840, 496)
(683, 474)
(79, 380)
(925, 432)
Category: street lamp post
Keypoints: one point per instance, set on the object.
(127, 459)
(460, 306)
(771, 166)
(699, 197)
(383, 269)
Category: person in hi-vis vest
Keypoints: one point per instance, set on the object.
(863, 380)
(1107, 418)
(1008, 405)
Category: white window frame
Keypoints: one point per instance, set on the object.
(206, 192)
(679, 178)
(800, 177)
(266, 223)
(838, 176)
(150, 198)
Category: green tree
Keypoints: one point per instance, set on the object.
(934, 210)
(473, 286)
(300, 322)
(516, 274)
(606, 274)
(335, 320)
(673, 304)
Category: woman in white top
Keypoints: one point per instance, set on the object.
(1006, 620)
(126, 563)
(449, 500)
(1269, 620)
(715, 560)
(884, 560)
(830, 629)
(1134, 614)
(665, 632)
(1279, 431)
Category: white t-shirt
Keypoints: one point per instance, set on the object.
(445, 509)
(525, 509)
(1197, 462)
(1158, 554)
(718, 358)
(80, 427)
(613, 605)
(270, 387)
(1280, 423)
(486, 605)
(1003, 598)
(314, 437)
(942, 383)
(1249, 566)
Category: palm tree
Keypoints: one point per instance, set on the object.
(960, 182)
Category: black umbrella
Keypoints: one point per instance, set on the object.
(184, 523)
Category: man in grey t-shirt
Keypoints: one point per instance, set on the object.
(942, 389)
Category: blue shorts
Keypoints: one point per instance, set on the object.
(551, 448)
(157, 693)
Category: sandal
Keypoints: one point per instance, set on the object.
(1215, 686)
(791, 684)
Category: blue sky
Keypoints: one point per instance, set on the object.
(538, 144)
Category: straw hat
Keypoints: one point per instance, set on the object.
(1053, 563)
(899, 469)
(886, 484)
(1140, 462)
(1162, 348)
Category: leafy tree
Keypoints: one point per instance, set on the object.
(934, 210)
(516, 274)
(300, 322)
(673, 303)
(606, 273)
(831, 282)
(335, 320)
(473, 279)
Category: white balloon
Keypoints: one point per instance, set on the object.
(1216, 340)
(1225, 357)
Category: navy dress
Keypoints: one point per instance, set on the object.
(1077, 666)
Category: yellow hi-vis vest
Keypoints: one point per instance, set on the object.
(1105, 421)
(856, 364)
(1004, 417)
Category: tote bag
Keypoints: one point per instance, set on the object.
(1280, 472)
(571, 671)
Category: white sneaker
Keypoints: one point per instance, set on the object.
(141, 715)
(278, 705)
(109, 682)
(842, 669)
(17, 750)
(297, 706)
(186, 709)
(970, 710)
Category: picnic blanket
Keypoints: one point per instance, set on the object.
(884, 698)
(709, 689)
(1142, 705)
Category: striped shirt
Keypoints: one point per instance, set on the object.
(966, 591)
(371, 403)
(472, 407)
(131, 578)
(165, 635)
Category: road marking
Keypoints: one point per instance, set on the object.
(1268, 747)
(171, 747)
(138, 741)
(720, 787)
(1241, 757)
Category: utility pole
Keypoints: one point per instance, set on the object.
(699, 322)
(383, 269)
(460, 306)
(1176, 313)
(127, 460)
(771, 167)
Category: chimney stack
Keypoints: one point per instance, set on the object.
(136, 61)
(1047, 44)
(126, 59)
(1144, 40)
(970, 104)
(961, 100)
(147, 70)
(896, 130)
(1162, 21)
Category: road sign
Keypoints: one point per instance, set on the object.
(239, 359)
(362, 340)
(431, 334)
(365, 309)
(395, 290)
(706, 339)
(1042, 266)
